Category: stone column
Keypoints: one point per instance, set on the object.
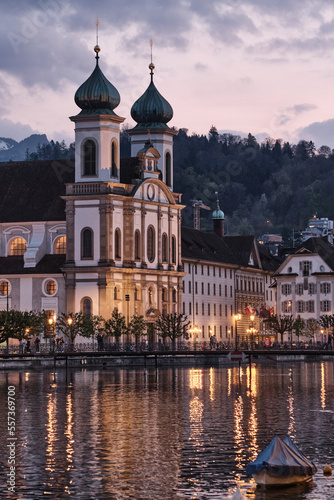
(170, 218)
(105, 234)
(70, 213)
(128, 236)
(159, 214)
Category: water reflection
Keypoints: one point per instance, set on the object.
(179, 434)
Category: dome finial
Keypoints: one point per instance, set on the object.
(97, 47)
(151, 65)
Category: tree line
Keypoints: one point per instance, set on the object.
(24, 325)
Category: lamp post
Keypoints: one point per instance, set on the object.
(127, 300)
(252, 329)
(322, 337)
(237, 317)
(70, 322)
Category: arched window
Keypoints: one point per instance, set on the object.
(86, 306)
(137, 293)
(173, 250)
(59, 245)
(137, 244)
(164, 295)
(89, 158)
(4, 288)
(174, 295)
(87, 243)
(150, 243)
(17, 246)
(113, 172)
(164, 248)
(117, 243)
(168, 169)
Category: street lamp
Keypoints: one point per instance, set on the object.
(252, 329)
(237, 317)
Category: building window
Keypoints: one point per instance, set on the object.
(286, 306)
(325, 305)
(50, 287)
(174, 295)
(196, 291)
(117, 243)
(208, 309)
(214, 309)
(137, 244)
(305, 267)
(208, 270)
(208, 288)
(173, 250)
(220, 290)
(89, 158)
(220, 272)
(59, 245)
(113, 170)
(87, 243)
(183, 308)
(202, 269)
(137, 294)
(202, 309)
(4, 288)
(325, 287)
(214, 271)
(312, 288)
(17, 246)
(189, 308)
(214, 289)
(164, 248)
(168, 169)
(310, 306)
(202, 288)
(231, 291)
(189, 287)
(150, 243)
(86, 306)
(183, 287)
(225, 309)
(196, 308)
(299, 289)
(225, 290)
(286, 289)
(164, 295)
(300, 306)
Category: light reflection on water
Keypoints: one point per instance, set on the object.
(172, 434)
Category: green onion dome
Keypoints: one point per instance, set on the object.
(151, 110)
(97, 96)
(218, 214)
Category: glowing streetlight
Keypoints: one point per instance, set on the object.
(237, 317)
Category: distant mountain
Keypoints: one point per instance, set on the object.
(11, 150)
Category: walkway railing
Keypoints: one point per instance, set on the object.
(184, 346)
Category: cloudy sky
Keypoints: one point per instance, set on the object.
(259, 66)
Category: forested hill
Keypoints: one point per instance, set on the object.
(263, 188)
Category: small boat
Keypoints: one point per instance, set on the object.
(281, 463)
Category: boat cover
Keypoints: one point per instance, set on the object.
(293, 445)
(281, 459)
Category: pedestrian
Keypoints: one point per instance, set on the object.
(37, 342)
(28, 345)
(21, 347)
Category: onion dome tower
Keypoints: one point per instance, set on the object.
(97, 129)
(218, 220)
(152, 112)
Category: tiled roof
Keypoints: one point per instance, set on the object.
(49, 264)
(31, 190)
(206, 245)
(320, 246)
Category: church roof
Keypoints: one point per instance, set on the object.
(31, 190)
(97, 96)
(49, 264)
(151, 110)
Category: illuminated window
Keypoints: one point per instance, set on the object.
(50, 287)
(4, 288)
(59, 246)
(89, 158)
(17, 246)
(117, 243)
(87, 243)
(86, 306)
(150, 243)
(286, 306)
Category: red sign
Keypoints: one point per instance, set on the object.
(267, 342)
(236, 356)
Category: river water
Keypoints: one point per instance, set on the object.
(182, 433)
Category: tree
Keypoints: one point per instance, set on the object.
(15, 325)
(137, 327)
(74, 324)
(172, 325)
(116, 325)
(280, 324)
(298, 326)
